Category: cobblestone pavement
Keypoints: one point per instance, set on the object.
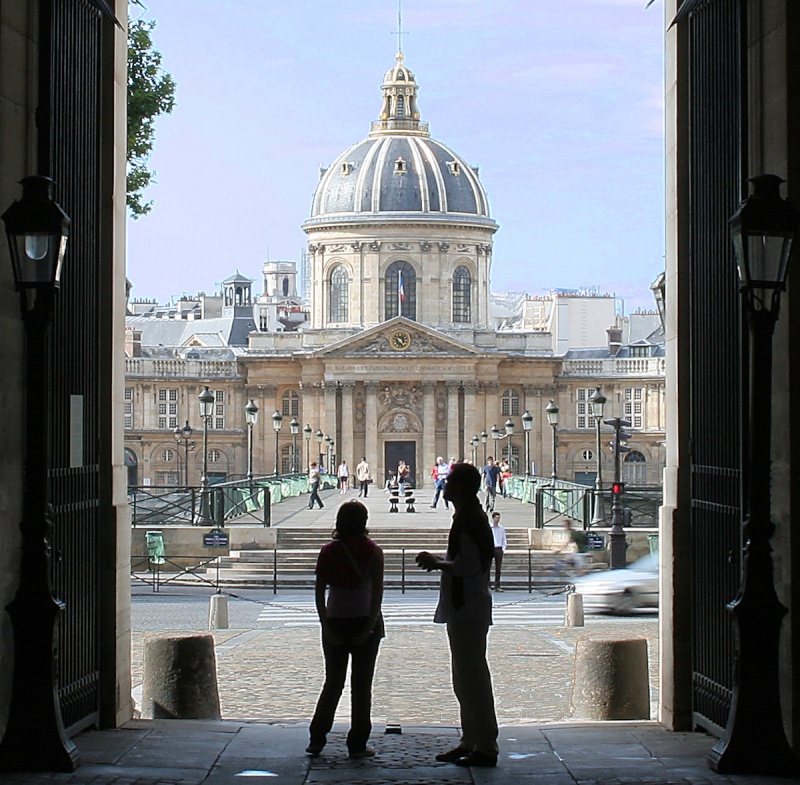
(276, 673)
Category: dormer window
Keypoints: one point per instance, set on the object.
(400, 166)
(454, 167)
(347, 167)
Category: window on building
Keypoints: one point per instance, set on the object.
(173, 423)
(168, 455)
(168, 478)
(162, 409)
(220, 423)
(509, 403)
(634, 468)
(213, 456)
(128, 414)
(263, 321)
(583, 408)
(219, 396)
(339, 286)
(162, 422)
(290, 404)
(400, 294)
(129, 393)
(462, 295)
(286, 460)
(640, 351)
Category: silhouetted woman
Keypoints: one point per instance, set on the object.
(349, 591)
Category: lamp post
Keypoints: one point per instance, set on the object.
(597, 402)
(206, 400)
(328, 442)
(473, 443)
(332, 456)
(294, 429)
(184, 435)
(484, 439)
(319, 436)
(509, 426)
(551, 410)
(307, 436)
(251, 417)
(34, 739)
(763, 230)
(277, 421)
(527, 425)
(495, 431)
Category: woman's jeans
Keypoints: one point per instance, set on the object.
(361, 673)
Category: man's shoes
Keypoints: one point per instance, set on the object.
(433, 506)
(497, 588)
(315, 748)
(477, 759)
(367, 752)
(451, 756)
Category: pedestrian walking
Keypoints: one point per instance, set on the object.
(363, 477)
(491, 476)
(313, 484)
(350, 572)
(465, 607)
(442, 469)
(343, 475)
(500, 545)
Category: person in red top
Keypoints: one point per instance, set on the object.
(349, 592)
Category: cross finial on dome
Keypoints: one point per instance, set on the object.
(400, 32)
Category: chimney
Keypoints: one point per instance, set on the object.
(614, 340)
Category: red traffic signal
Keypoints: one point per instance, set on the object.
(616, 488)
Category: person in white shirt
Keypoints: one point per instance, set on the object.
(465, 606)
(313, 483)
(500, 545)
(442, 470)
(362, 475)
(343, 474)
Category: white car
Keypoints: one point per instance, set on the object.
(621, 591)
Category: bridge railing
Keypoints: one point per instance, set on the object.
(242, 501)
(553, 499)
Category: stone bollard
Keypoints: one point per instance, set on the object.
(611, 678)
(574, 616)
(218, 612)
(180, 677)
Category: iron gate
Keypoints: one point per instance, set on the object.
(716, 174)
(70, 117)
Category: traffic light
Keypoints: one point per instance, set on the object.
(616, 488)
(617, 444)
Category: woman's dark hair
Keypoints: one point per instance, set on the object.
(351, 521)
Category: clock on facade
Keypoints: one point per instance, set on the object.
(400, 340)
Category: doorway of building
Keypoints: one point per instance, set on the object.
(394, 452)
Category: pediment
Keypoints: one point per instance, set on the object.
(387, 340)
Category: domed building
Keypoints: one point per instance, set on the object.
(400, 357)
(400, 226)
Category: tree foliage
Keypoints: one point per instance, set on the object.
(151, 92)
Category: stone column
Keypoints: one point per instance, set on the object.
(453, 446)
(329, 421)
(374, 459)
(492, 400)
(472, 419)
(428, 431)
(347, 448)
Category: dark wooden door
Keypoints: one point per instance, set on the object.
(394, 452)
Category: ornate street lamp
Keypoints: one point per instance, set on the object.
(251, 417)
(206, 399)
(763, 231)
(277, 421)
(307, 431)
(509, 426)
(184, 435)
(294, 429)
(551, 410)
(495, 431)
(319, 436)
(473, 443)
(35, 740)
(484, 439)
(527, 425)
(597, 402)
(328, 442)
(332, 456)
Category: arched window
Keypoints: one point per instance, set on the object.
(400, 296)
(290, 404)
(634, 468)
(285, 287)
(510, 403)
(462, 295)
(338, 298)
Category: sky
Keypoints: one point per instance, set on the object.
(559, 102)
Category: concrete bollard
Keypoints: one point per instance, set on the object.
(574, 615)
(180, 677)
(218, 612)
(611, 678)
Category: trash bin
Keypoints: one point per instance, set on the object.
(155, 547)
(652, 541)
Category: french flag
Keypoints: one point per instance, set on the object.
(401, 295)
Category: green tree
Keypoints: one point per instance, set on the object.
(151, 92)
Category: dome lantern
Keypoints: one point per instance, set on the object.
(399, 113)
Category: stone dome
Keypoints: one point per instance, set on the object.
(399, 172)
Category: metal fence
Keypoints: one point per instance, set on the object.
(240, 501)
(554, 499)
